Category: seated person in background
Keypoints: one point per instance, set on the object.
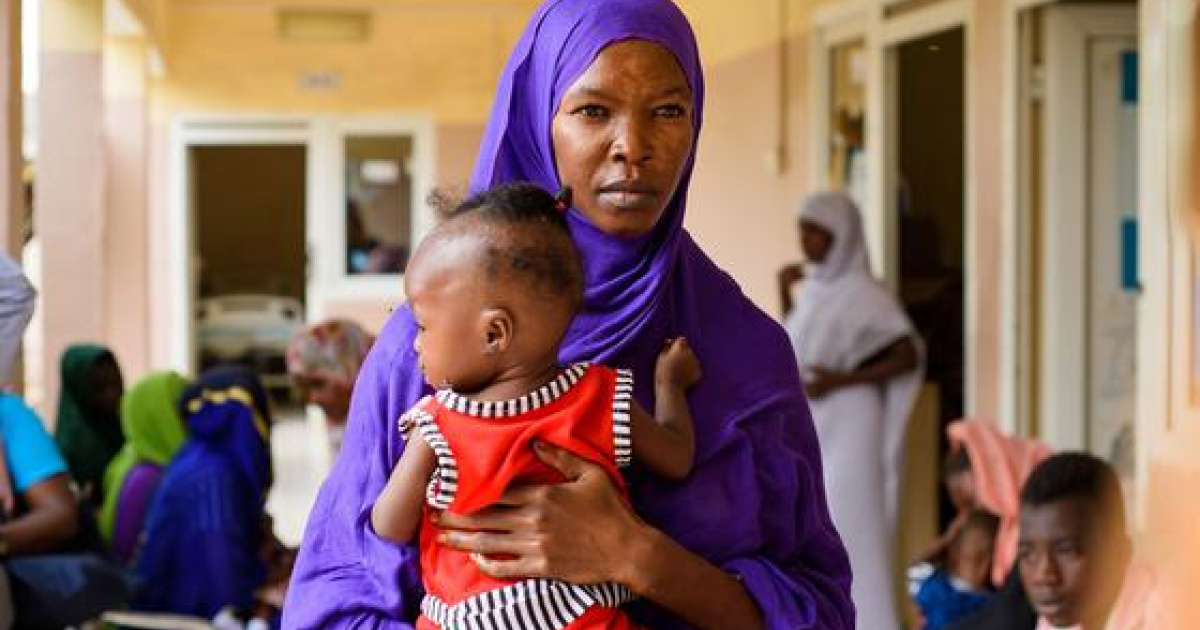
(962, 583)
(17, 301)
(89, 416)
(154, 431)
(1074, 554)
(51, 586)
(201, 550)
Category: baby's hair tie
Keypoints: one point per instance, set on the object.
(562, 200)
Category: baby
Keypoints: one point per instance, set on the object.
(493, 290)
(953, 591)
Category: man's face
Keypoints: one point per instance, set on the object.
(1071, 570)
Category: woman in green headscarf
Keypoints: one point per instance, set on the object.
(154, 432)
(89, 423)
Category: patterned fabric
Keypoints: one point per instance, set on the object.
(334, 350)
(535, 604)
(482, 448)
(204, 529)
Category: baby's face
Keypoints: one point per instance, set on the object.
(971, 558)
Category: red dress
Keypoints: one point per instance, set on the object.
(482, 448)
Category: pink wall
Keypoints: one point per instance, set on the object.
(126, 286)
(70, 218)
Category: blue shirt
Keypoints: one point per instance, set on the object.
(30, 451)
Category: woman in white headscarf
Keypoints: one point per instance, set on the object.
(860, 358)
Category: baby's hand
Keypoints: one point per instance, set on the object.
(677, 365)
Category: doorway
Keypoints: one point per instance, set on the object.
(929, 203)
(249, 207)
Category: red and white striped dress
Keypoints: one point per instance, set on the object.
(482, 449)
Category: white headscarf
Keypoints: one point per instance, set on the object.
(835, 211)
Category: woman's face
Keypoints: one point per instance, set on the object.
(816, 241)
(107, 387)
(332, 396)
(622, 136)
(961, 487)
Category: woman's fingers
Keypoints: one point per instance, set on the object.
(570, 465)
(508, 568)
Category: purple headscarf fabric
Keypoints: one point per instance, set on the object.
(754, 504)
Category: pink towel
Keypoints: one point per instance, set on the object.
(1000, 464)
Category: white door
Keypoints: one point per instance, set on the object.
(1089, 254)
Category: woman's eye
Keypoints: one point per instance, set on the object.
(592, 111)
(670, 111)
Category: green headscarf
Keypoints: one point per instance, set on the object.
(153, 433)
(88, 441)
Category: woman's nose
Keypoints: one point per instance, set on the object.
(632, 143)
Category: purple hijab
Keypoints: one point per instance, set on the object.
(754, 504)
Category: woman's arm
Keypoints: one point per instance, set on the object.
(51, 519)
(788, 276)
(898, 358)
(541, 527)
(396, 514)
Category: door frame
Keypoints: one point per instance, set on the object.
(882, 156)
(1063, 354)
(208, 131)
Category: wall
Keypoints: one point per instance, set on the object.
(443, 60)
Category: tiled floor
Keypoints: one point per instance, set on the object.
(298, 474)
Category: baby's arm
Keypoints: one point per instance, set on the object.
(396, 514)
(665, 442)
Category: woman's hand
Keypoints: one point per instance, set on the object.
(791, 274)
(823, 382)
(579, 531)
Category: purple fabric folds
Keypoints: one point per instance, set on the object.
(755, 502)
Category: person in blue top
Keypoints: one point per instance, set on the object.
(51, 586)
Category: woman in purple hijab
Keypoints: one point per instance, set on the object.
(605, 97)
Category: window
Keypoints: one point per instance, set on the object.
(379, 203)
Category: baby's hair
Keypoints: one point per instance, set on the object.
(528, 238)
(1078, 476)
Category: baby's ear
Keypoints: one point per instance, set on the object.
(498, 330)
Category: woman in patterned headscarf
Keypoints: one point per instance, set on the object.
(202, 544)
(324, 361)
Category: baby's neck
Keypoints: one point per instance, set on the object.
(516, 382)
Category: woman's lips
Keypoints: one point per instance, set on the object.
(630, 197)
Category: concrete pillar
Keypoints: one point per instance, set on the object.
(70, 219)
(12, 216)
(127, 307)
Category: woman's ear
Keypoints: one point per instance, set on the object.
(498, 330)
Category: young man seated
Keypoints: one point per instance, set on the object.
(1074, 554)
